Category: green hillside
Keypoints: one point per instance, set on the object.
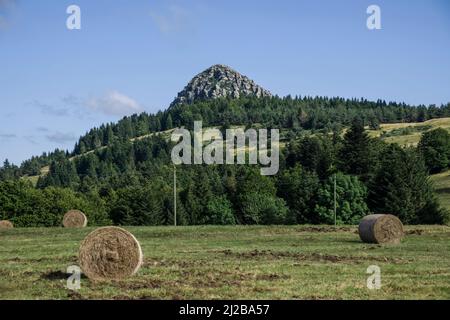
(408, 134)
(404, 134)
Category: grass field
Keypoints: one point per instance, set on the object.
(413, 138)
(289, 262)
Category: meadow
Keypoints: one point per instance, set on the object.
(234, 262)
(415, 129)
(244, 262)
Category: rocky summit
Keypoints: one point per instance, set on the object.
(219, 81)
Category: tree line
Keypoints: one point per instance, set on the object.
(296, 114)
(130, 183)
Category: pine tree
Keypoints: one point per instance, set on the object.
(435, 148)
(356, 156)
(401, 187)
(191, 204)
(81, 147)
(109, 135)
(351, 203)
(257, 200)
(299, 189)
(169, 123)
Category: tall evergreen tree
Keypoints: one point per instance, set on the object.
(356, 156)
(169, 123)
(401, 187)
(435, 148)
(299, 189)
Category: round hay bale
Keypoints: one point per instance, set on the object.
(5, 224)
(110, 253)
(381, 228)
(74, 219)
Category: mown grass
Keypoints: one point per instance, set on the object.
(279, 262)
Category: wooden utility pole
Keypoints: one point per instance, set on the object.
(335, 215)
(175, 195)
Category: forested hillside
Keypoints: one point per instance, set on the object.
(122, 172)
(130, 183)
(319, 114)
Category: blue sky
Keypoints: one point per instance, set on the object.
(135, 55)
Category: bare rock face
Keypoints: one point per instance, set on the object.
(219, 81)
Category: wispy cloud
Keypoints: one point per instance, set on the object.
(77, 106)
(42, 129)
(31, 139)
(50, 109)
(114, 103)
(60, 137)
(7, 136)
(72, 100)
(174, 19)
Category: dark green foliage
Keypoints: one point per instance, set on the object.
(374, 123)
(26, 206)
(435, 148)
(9, 171)
(257, 201)
(131, 182)
(137, 206)
(313, 153)
(299, 189)
(295, 114)
(262, 209)
(351, 197)
(401, 186)
(169, 123)
(220, 211)
(356, 156)
(62, 174)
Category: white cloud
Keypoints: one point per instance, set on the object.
(175, 19)
(114, 103)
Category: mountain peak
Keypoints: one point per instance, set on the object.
(219, 81)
